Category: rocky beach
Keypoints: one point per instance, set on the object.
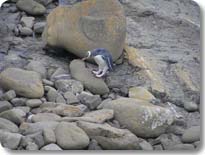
(50, 100)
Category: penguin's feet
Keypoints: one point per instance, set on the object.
(97, 72)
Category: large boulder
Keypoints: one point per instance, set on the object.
(142, 118)
(70, 136)
(110, 138)
(87, 25)
(25, 83)
(31, 7)
(81, 73)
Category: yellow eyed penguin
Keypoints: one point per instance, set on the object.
(104, 60)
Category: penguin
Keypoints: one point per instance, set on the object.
(104, 60)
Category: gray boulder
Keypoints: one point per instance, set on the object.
(142, 118)
(25, 83)
(8, 125)
(69, 136)
(81, 73)
(10, 140)
(110, 138)
(191, 135)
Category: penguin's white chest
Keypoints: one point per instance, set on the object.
(100, 61)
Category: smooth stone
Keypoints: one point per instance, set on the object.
(71, 137)
(33, 103)
(19, 102)
(191, 135)
(38, 67)
(41, 117)
(37, 138)
(144, 145)
(190, 106)
(8, 125)
(183, 147)
(94, 145)
(9, 95)
(14, 115)
(49, 136)
(145, 120)
(82, 74)
(10, 140)
(4, 105)
(31, 7)
(51, 147)
(110, 138)
(99, 25)
(24, 83)
(48, 83)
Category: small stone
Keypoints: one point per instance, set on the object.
(25, 109)
(158, 147)
(191, 135)
(59, 71)
(48, 83)
(39, 27)
(37, 67)
(38, 138)
(52, 95)
(94, 145)
(25, 31)
(33, 103)
(70, 136)
(60, 99)
(4, 105)
(91, 101)
(51, 147)
(49, 136)
(19, 102)
(144, 145)
(190, 106)
(41, 117)
(32, 146)
(70, 98)
(9, 95)
(27, 22)
(14, 115)
(8, 125)
(10, 140)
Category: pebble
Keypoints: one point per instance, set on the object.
(19, 102)
(51, 147)
(9, 95)
(70, 98)
(49, 136)
(191, 135)
(33, 103)
(5, 105)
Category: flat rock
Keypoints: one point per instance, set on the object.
(8, 125)
(98, 116)
(70, 136)
(30, 128)
(140, 93)
(110, 138)
(19, 101)
(191, 135)
(10, 140)
(31, 7)
(33, 103)
(99, 25)
(5, 105)
(25, 83)
(41, 117)
(81, 73)
(145, 119)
